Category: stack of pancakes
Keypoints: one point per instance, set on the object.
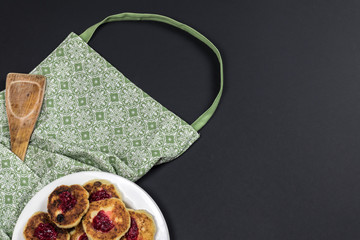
(94, 211)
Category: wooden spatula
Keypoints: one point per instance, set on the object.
(23, 98)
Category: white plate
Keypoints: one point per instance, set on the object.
(133, 196)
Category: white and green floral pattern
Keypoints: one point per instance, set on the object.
(93, 118)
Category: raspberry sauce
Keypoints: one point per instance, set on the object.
(133, 232)
(45, 231)
(99, 195)
(83, 237)
(67, 201)
(102, 222)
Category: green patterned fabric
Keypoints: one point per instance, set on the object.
(92, 118)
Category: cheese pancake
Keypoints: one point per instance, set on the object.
(100, 189)
(142, 226)
(78, 233)
(39, 226)
(106, 219)
(67, 205)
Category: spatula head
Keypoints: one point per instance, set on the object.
(23, 97)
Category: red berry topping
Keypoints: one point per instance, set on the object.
(45, 231)
(102, 222)
(67, 201)
(83, 237)
(133, 232)
(99, 195)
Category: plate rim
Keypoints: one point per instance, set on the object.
(17, 225)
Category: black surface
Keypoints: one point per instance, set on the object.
(281, 157)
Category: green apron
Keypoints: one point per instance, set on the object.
(92, 118)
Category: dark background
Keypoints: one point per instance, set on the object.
(280, 159)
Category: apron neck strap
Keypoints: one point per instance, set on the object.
(205, 117)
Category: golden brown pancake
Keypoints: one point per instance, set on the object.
(39, 225)
(101, 189)
(67, 205)
(78, 233)
(142, 226)
(106, 219)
